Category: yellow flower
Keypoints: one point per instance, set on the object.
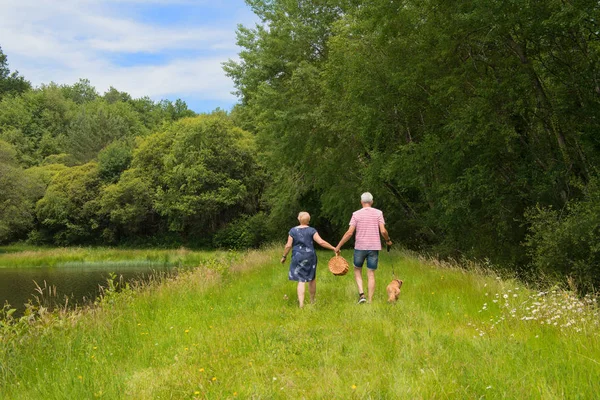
(95, 347)
(250, 364)
(196, 392)
(353, 387)
(187, 330)
(214, 378)
(139, 324)
(186, 349)
(201, 370)
(234, 394)
(210, 326)
(79, 377)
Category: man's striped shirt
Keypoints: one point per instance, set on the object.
(367, 220)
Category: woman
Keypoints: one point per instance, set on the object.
(303, 267)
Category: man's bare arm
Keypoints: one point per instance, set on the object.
(385, 234)
(345, 238)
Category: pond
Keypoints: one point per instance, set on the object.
(80, 281)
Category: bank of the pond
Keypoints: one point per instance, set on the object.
(74, 277)
(226, 331)
(24, 256)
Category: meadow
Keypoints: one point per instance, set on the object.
(231, 328)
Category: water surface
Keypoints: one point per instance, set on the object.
(79, 281)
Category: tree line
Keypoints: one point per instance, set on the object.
(79, 167)
(474, 124)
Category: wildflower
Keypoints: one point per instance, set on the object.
(214, 379)
(353, 387)
(79, 377)
(201, 370)
(196, 392)
(186, 349)
(95, 347)
(505, 296)
(234, 394)
(139, 324)
(187, 331)
(250, 364)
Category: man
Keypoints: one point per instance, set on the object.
(368, 223)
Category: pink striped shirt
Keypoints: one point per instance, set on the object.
(367, 220)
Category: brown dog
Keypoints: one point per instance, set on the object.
(393, 290)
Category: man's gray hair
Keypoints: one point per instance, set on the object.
(366, 197)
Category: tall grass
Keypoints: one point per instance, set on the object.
(235, 331)
(29, 256)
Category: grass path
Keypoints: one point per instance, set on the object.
(234, 335)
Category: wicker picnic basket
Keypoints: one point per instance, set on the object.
(338, 265)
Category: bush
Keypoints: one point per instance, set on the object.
(242, 233)
(566, 244)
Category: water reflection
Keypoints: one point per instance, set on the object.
(78, 281)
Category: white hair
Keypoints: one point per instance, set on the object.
(366, 197)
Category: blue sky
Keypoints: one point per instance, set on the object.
(158, 48)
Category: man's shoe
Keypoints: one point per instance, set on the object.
(361, 298)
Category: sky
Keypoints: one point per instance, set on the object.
(164, 49)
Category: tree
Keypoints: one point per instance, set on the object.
(18, 193)
(458, 117)
(97, 124)
(68, 211)
(10, 82)
(191, 179)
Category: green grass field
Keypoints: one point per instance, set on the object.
(234, 331)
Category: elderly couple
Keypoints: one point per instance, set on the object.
(367, 222)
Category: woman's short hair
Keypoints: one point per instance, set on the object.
(366, 197)
(304, 217)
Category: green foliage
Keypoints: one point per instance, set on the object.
(80, 92)
(457, 117)
(36, 123)
(128, 205)
(203, 173)
(113, 160)
(191, 179)
(242, 233)
(10, 83)
(68, 210)
(567, 242)
(98, 124)
(18, 193)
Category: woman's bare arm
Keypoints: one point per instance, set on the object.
(322, 242)
(286, 250)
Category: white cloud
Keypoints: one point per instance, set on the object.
(63, 41)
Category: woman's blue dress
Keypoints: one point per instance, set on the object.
(303, 266)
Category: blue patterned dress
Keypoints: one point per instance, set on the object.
(303, 266)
